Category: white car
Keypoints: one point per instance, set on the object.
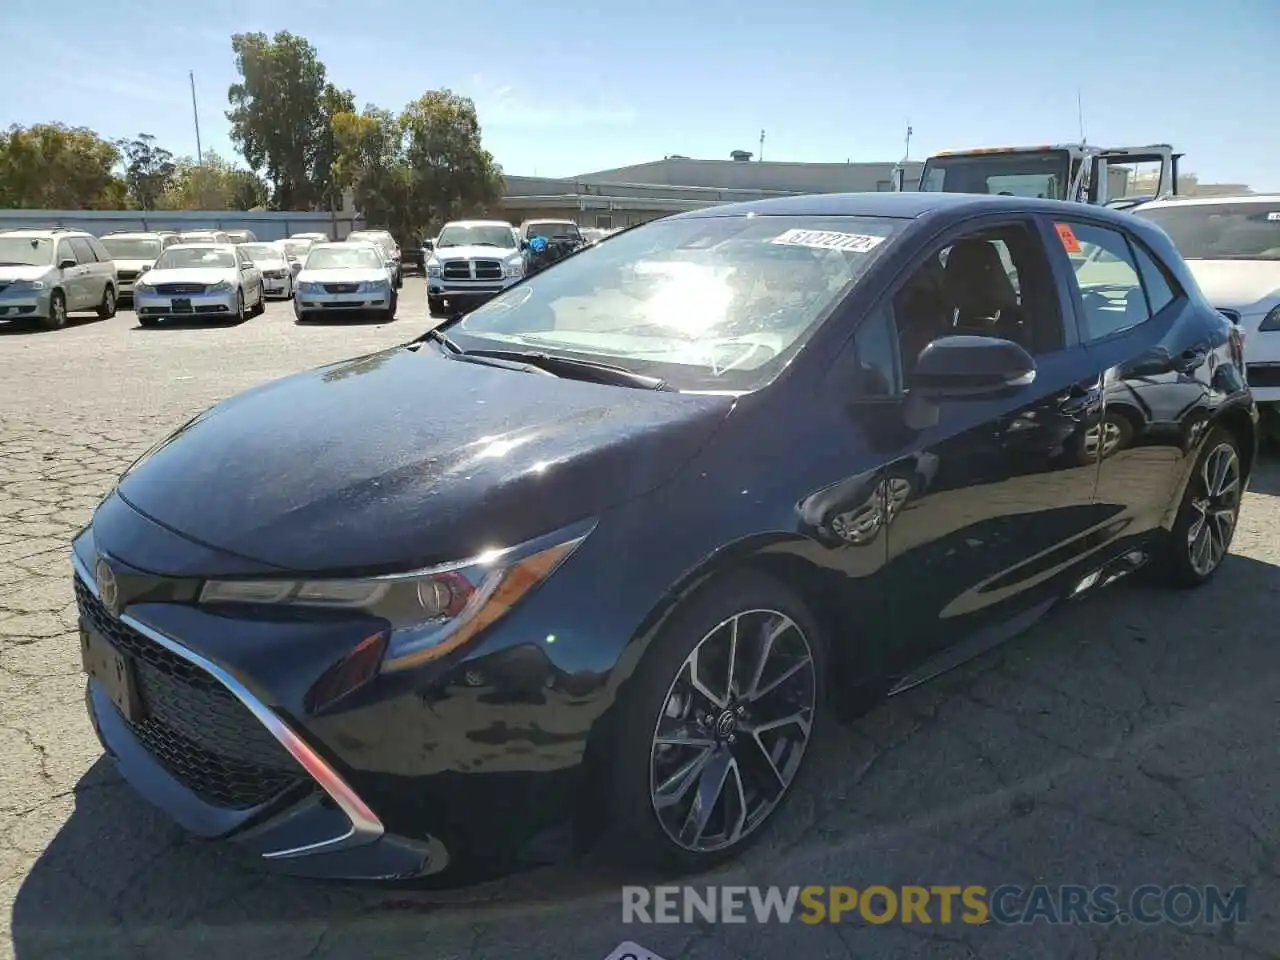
(384, 239)
(295, 251)
(277, 276)
(134, 253)
(199, 280)
(1232, 247)
(472, 261)
(344, 277)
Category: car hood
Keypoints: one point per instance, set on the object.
(1237, 284)
(131, 264)
(344, 275)
(191, 275)
(474, 253)
(10, 274)
(404, 458)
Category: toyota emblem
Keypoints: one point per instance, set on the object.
(108, 590)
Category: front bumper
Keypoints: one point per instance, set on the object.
(22, 304)
(324, 302)
(317, 826)
(472, 293)
(163, 305)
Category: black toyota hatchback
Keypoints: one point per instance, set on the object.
(591, 564)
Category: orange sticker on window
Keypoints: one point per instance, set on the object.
(1068, 238)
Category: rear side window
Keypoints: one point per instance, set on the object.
(1107, 276)
(64, 252)
(82, 251)
(1159, 287)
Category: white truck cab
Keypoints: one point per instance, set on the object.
(1064, 171)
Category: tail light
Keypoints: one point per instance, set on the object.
(1236, 335)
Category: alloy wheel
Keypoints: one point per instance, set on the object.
(733, 730)
(1102, 440)
(1214, 509)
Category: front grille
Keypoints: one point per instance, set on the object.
(488, 270)
(127, 274)
(457, 270)
(1264, 374)
(193, 725)
(273, 274)
(171, 288)
(341, 287)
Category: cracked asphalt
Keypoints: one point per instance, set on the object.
(1130, 739)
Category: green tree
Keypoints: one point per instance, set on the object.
(51, 166)
(452, 174)
(280, 116)
(369, 161)
(212, 185)
(149, 169)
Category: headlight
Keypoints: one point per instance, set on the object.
(17, 285)
(374, 286)
(222, 286)
(142, 286)
(515, 268)
(309, 286)
(433, 268)
(429, 612)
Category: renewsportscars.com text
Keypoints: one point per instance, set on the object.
(939, 904)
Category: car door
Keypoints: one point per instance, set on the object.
(1156, 352)
(76, 279)
(250, 278)
(989, 502)
(104, 270)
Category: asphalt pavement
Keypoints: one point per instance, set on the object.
(1131, 739)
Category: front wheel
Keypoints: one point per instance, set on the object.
(241, 315)
(57, 318)
(715, 724)
(1202, 533)
(392, 303)
(107, 309)
(435, 306)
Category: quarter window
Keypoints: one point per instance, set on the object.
(1107, 275)
(83, 252)
(1159, 288)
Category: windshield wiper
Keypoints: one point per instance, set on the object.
(573, 368)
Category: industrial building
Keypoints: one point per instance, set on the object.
(623, 196)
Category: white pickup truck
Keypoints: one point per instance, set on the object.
(472, 261)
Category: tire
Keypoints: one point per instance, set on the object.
(390, 313)
(435, 306)
(240, 315)
(57, 318)
(718, 720)
(260, 307)
(1201, 535)
(288, 290)
(149, 321)
(301, 317)
(107, 309)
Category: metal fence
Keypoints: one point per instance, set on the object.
(265, 225)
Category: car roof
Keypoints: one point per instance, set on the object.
(136, 235)
(204, 245)
(1263, 198)
(905, 205)
(38, 233)
(478, 223)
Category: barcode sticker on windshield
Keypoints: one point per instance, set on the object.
(1273, 216)
(830, 240)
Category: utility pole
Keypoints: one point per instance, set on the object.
(196, 115)
(1080, 114)
(907, 153)
(762, 145)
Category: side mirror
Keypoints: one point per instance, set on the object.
(249, 265)
(428, 245)
(524, 243)
(968, 367)
(67, 263)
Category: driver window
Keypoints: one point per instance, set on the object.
(993, 283)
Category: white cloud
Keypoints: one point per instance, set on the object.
(504, 105)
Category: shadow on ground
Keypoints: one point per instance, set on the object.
(1128, 739)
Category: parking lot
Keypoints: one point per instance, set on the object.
(1129, 740)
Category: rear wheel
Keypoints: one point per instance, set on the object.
(107, 309)
(715, 723)
(1206, 522)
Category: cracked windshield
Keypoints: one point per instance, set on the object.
(612, 483)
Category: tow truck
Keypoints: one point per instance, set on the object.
(1063, 171)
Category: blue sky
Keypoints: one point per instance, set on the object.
(569, 87)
